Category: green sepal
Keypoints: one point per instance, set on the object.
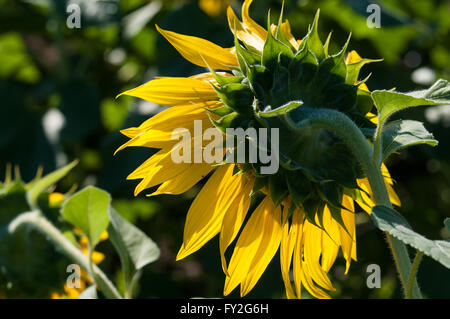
(260, 183)
(232, 120)
(314, 44)
(281, 110)
(277, 188)
(353, 69)
(311, 206)
(364, 101)
(237, 96)
(245, 57)
(273, 50)
(299, 188)
(221, 110)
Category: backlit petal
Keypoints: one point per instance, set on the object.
(234, 218)
(251, 25)
(197, 50)
(204, 218)
(263, 225)
(174, 91)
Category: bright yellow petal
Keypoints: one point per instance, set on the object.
(234, 218)
(286, 29)
(236, 26)
(270, 242)
(157, 131)
(301, 274)
(251, 25)
(330, 240)
(348, 236)
(288, 240)
(312, 252)
(174, 91)
(204, 218)
(263, 223)
(184, 181)
(197, 51)
(169, 119)
(156, 170)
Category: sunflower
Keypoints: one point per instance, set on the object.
(306, 209)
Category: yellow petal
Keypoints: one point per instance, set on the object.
(185, 180)
(156, 170)
(253, 244)
(286, 29)
(234, 218)
(157, 131)
(249, 38)
(169, 119)
(270, 242)
(301, 274)
(174, 91)
(330, 240)
(348, 237)
(288, 240)
(312, 251)
(197, 51)
(395, 200)
(204, 218)
(251, 25)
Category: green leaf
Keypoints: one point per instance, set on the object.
(389, 102)
(401, 134)
(135, 248)
(390, 221)
(88, 210)
(47, 181)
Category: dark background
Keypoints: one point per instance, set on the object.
(57, 103)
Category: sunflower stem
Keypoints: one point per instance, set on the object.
(413, 274)
(342, 126)
(36, 220)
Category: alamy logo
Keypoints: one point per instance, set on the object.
(74, 18)
(374, 19)
(74, 279)
(374, 279)
(241, 146)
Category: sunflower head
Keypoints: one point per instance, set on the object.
(282, 80)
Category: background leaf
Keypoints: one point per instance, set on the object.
(47, 181)
(134, 247)
(88, 210)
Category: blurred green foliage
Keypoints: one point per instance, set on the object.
(57, 90)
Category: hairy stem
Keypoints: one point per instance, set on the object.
(413, 275)
(342, 126)
(36, 220)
